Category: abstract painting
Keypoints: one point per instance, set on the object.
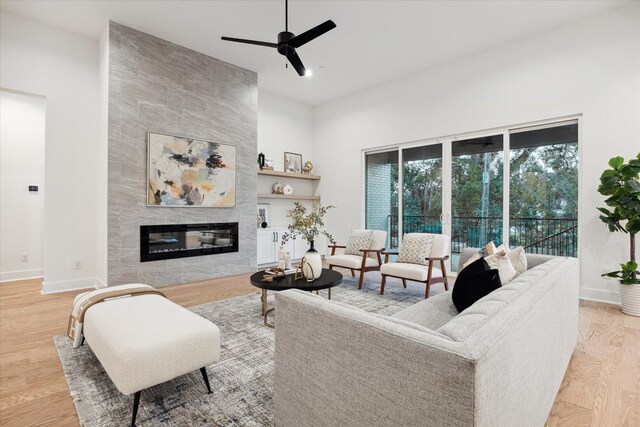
(190, 173)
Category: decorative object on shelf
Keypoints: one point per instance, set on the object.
(309, 226)
(287, 189)
(287, 260)
(277, 188)
(263, 215)
(621, 184)
(268, 163)
(186, 172)
(261, 163)
(292, 162)
(308, 167)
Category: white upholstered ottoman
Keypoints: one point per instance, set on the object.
(146, 340)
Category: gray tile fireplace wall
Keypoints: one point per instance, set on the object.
(158, 86)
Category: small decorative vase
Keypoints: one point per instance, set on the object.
(312, 268)
(630, 299)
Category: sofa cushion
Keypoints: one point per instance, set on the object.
(350, 261)
(431, 313)
(474, 282)
(360, 239)
(476, 316)
(501, 262)
(415, 248)
(415, 272)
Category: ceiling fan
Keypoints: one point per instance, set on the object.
(288, 42)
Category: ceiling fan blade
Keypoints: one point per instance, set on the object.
(295, 61)
(259, 43)
(307, 36)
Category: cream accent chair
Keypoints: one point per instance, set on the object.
(370, 260)
(427, 274)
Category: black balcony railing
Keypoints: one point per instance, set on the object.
(552, 236)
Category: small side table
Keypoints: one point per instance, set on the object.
(327, 280)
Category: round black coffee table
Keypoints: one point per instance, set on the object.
(327, 280)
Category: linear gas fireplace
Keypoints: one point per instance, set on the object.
(185, 240)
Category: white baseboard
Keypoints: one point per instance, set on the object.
(69, 285)
(11, 276)
(600, 295)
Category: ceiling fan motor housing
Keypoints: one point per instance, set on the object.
(283, 40)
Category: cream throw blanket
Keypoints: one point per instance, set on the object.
(83, 301)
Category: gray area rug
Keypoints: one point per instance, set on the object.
(242, 381)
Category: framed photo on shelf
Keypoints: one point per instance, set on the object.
(292, 162)
(263, 215)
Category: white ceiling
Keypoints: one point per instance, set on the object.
(374, 42)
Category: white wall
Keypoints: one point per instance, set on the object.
(284, 125)
(22, 127)
(591, 68)
(63, 67)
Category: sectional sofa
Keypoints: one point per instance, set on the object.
(498, 363)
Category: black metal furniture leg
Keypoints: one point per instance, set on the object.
(136, 402)
(206, 378)
(82, 342)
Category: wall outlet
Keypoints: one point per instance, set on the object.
(25, 257)
(77, 265)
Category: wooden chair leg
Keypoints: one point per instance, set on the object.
(404, 283)
(353, 273)
(361, 279)
(443, 267)
(330, 267)
(136, 403)
(426, 293)
(384, 282)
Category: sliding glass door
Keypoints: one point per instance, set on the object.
(543, 189)
(381, 194)
(422, 189)
(476, 193)
(517, 186)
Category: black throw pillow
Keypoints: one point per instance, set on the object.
(474, 282)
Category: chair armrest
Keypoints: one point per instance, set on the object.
(391, 252)
(437, 259)
(334, 247)
(366, 251)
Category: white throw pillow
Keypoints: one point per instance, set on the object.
(415, 248)
(501, 262)
(489, 249)
(360, 239)
(518, 259)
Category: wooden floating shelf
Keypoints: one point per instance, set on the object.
(289, 197)
(289, 175)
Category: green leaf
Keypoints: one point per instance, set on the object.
(616, 162)
(632, 186)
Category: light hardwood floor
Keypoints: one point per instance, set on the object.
(601, 386)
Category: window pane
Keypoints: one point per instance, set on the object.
(382, 193)
(476, 193)
(543, 205)
(422, 196)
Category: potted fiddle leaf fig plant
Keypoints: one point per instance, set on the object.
(620, 183)
(309, 225)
